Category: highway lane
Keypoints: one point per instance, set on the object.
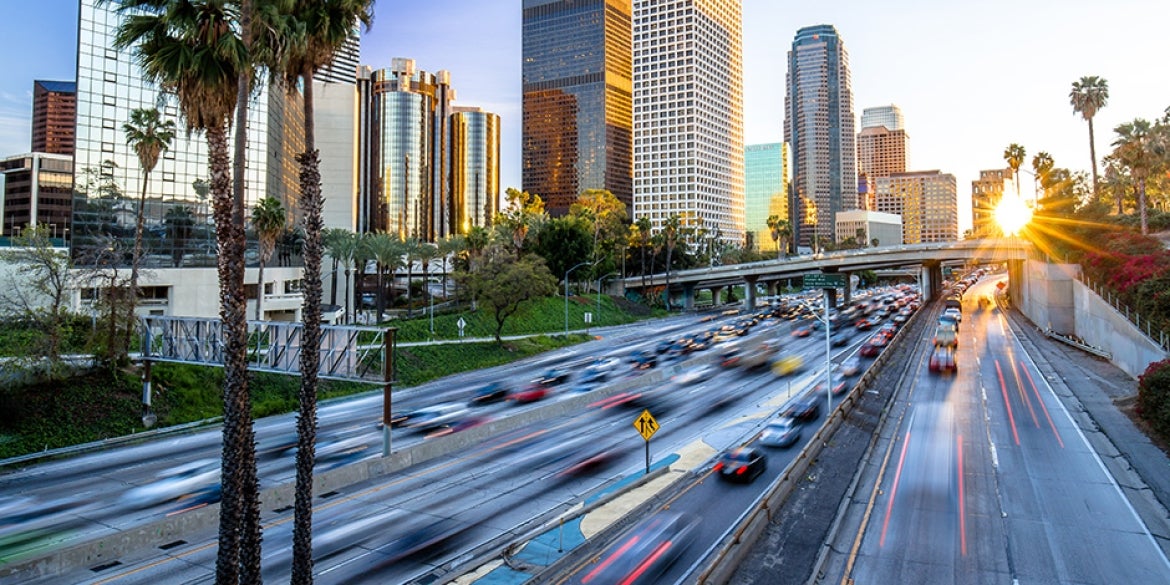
(89, 489)
(488, 492)
(990, 481)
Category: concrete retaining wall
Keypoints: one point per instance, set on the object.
(1054, 299)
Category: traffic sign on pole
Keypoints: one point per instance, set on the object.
(646, 426)
(461, 324)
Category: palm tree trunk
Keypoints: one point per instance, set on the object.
(409, 278)
(333, 287)
(348, 295)
(260, 287)
(139, 227)
(1093, 154)
(239, 511)
(669, 250)
(302, 570)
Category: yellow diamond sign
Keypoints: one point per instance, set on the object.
(646, 425)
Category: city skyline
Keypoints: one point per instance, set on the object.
(970, 79)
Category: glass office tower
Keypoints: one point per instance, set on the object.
(818, 124)
(766, 193)
(107, 175)
(475, 166)
(578, 116)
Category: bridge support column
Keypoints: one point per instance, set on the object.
(773, 286)
(749, 291)
(716, 293)
(930, 280)
(848, 288)
(688, 297)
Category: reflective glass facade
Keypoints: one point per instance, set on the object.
(766, 193)
(409, 158)
(36, 189)
(107, 176)
(688, 114)
(889, 116)
(54, 111)
(475, 166)
(818, 124)
(578, 117)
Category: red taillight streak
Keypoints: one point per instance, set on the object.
(1041, 401)
(1003, 389)
(742, 470)
(646, 564)
(616, 554)
(717, 467)
(894, 490)
(1024, 394)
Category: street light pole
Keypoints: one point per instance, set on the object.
(567, 272)
(828, 360)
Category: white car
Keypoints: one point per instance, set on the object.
(433, 417)
(954, 313)
(188, 478)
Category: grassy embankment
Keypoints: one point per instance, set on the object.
(100, 405)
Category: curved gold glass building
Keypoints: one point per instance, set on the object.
(475, 166)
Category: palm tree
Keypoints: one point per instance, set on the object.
(670, 232)
(644, 233)
(180, 221)
(319, 28)
(1042, 165)
(1014, 155)
(149, 135)
(386, 251)
(189, 48)
(427, 253)
(340, 244)
(361, 260)
(1137, 147)
(781, 231)
(1089, 94)
(268, 219)
(448, 249)
(411, 248)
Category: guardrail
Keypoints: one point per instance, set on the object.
(738, 541)
(1077, 343)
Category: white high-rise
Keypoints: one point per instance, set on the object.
(688, 114)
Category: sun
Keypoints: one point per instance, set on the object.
(1012, 214)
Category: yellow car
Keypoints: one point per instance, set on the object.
(787, 364)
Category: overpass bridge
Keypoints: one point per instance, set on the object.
(926, 258)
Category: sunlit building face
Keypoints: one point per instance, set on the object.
(475, 177)
(578, 112)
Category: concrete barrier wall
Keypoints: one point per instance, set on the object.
(1054, 299)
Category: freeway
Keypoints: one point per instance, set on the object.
(441, 515)
(983, 477)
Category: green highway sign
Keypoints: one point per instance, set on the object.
(824, 280)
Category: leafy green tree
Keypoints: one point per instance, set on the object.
(449, 249)
(38, 291)
(410, 247)
(640, 233)
(1089, 94)
(523, 212)
(1014, 155)
(564, 242)
(503, 283)
(149, 136)
(268, 219)
(606, 219)
(670, 235)
(191, 50)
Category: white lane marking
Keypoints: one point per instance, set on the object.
(1096, 457)
(994, 457)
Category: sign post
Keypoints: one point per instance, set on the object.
(826, 281)
(461, 324)
(646, 426)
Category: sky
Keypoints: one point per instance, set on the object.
(971, 77)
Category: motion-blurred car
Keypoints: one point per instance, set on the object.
(530, 393)
(742, 464)
(425, 420)
(851, 367)
(946, 336)
(645, 552)
(956, 314)
(837, 385)
(174, 483)
(553, 377)
(759, 356)
(782, 432)
(804, 331)
(693, 375)
(787, 364)
(869, 349)
(841, 338)
(489, 393)
(731, 356)
(942, 359)
(806, 406)
(643, 360)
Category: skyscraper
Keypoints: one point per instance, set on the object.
(927, 202)
(986, 192)
(766, 192)
(54, 116)
(818, 124)
(578, 118)
(889, 116)
(881, 151)
(688, 114)
(475, 168)
(408, 151)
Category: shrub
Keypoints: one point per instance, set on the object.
(1154, 397)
